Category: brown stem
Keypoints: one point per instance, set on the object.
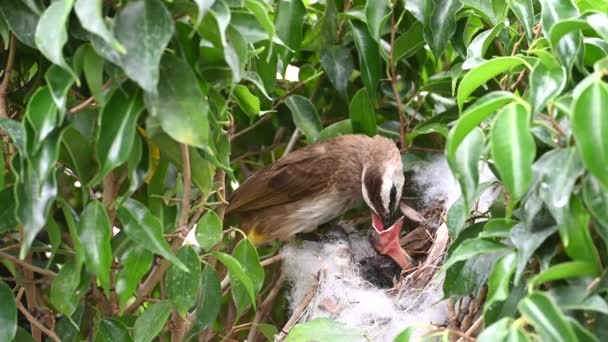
(7, 76)
(89, 101)
(265, 307)
(392, 64)
(27, 265)
(297, 313)
(520, 79)
(33, 321)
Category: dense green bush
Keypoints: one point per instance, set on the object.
(124, 122)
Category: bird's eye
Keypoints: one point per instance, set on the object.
(393, 198)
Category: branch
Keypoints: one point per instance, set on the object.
(33, 321)
(297, 313)
(266, 305)
(392, 63)
(7, 76)
(84, 104)
(28, 265)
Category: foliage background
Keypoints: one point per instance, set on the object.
(124, 122)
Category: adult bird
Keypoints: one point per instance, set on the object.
(318, 183)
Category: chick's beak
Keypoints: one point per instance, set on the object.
(386, 241)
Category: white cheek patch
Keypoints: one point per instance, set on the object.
(385, 191)
(364, 191)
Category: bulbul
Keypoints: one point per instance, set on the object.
(318, 183)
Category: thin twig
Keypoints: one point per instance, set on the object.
(51, 334)
(392, 64)
(28, 265)
(472, 330)
(292, 141)
(266, 305)
(7, 76)
(297, 313)
(84, 104)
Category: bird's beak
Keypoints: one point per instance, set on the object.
(386, 241)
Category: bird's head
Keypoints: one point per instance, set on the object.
(381, 185)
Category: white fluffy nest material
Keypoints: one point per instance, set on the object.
(331, 271)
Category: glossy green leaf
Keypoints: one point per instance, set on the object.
(95, 232)
(304, 116)
(543, 314)
(248, 102)
(338, 65)
(8, 221)
(483, 73)
(527, 240)
(93, 74)
(370, 63)
(260, 11)
(15, 131)
(89, 13)
(547, 80)
(362, 114)
(596, 199)
(51, 33)
(136, 262)
(563, 270)
(117, 125)
(79, 152)
(64, 287)
(144, 228)
(375, 13)
(59, 82)
(471, 248)
(440, 24)
(498, 227)
(490, 11)
(203, 7)
(408, 43)
(42, 114)
(209, 230)
(513, 149)
(238, 272)
(8, 313)
(465, 165)
(183, 287)
(210, 299)
(336, 129)
(179, 105)
(112, 330)
(21, 20)
(289, 21)
(590, 128)
(144, 28)
(323, 329)
(151, 322)
(497, 331)
(500, 278)
(478, 47)
(247, 256)
(576, 236)
(553, 11)
(598, 21)
(524, 10)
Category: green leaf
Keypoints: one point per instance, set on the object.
(289, 21)
(513, 149)
(338, 65)
(144, 228)
(465, 165)
(500, 278)
(473, 247)
(60, 82)
(524, 10)
(563, 270)
(553, 11)
(203, 7)
(248, 102)
(527, 240)
(407, 44)
(80, 153)
(483, 73)
(440, 24)
(117, 129)
(8, 313)
(596, 199)
(238, 272)
(209, 230)
(21, 20)
(304, 116)
(576, 236)
(210, 300)
(89, 13)
(336, 129)
(590, 128)
(183, 287)
(93, 74)
(498, 227)
(151, 322)
(64, 287)
(486, 9)
(255, 78)
(370, 63)
(375, 12)
(362, 114)
(543, 314)
(145, 29)
(51, 33)
(260, 11)
(547, 80)
(479, 45)
(136, 262)
(8, 221)
(15, 131)
(497, 331)
(95, 232)
(323, 329)
(246, 254)
(42, 114)
(598, 21)
(179, 104)
(112, 330)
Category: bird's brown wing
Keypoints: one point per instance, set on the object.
(296, 176)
